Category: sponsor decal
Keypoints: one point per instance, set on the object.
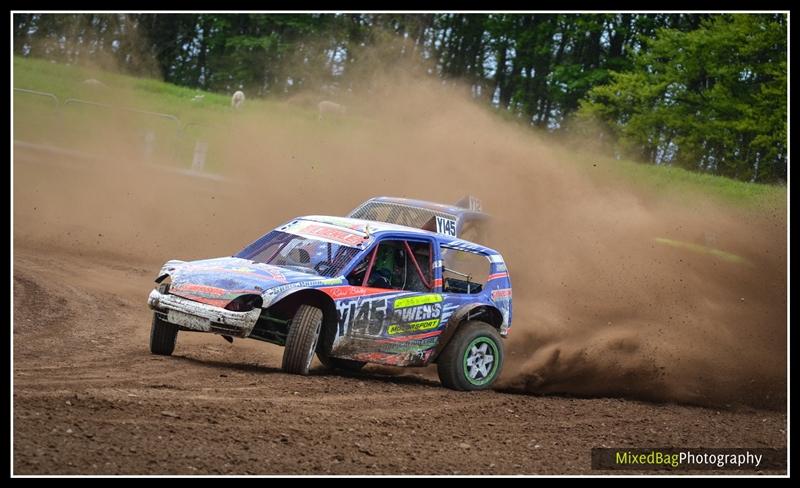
(243, 269)
(276, 275)
(302, 284)
(206, 290)
(339, 292)
(415, 337)
(210, 290)
(325, 232)
(362, 316)
(402, 329)
(425, 311)
(257, 270)
(501, 294)
(417, 300)
(332, 233)
(413, 326)
(370, 315)
(410, 343)
(341, 223)
(446, 226)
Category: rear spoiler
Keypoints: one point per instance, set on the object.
(440, 218)
(471, 203)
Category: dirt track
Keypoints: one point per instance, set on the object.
(89, 398)
(600, 312)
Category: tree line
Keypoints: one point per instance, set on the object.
(706, 92)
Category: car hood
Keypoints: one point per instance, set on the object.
(219, 281)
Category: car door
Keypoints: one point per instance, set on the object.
(464, 276)
(392, 321)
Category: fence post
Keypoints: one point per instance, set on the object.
(199, 159)
(149, 143)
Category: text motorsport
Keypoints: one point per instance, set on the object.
(674, 458)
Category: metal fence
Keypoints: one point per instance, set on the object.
(50, 96)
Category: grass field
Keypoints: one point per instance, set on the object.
(201, 114)
(673, 179)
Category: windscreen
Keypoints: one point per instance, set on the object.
(299, 253)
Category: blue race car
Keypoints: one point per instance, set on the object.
(353, 292)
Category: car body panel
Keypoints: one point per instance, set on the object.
(218, 281)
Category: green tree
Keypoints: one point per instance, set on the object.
(711, 99)
(705, 92)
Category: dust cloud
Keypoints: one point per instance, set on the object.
(600, 307)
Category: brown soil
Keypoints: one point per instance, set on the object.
(89, 398)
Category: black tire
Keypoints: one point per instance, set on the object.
(301, 341)
(453, 368)
(162, 336)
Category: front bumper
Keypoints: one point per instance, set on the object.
(201, 317)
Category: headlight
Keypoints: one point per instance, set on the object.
(244, 303)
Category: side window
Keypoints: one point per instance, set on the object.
(463, 271)
(356, 277)
(419, 269)
(396, 265)
(388, 269)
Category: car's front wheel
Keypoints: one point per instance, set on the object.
(473, 358)
(301, 341)
(163, 336)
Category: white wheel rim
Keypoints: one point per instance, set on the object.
(480, 361)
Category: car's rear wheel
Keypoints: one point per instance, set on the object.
(301, 341)
(473, 358)
(163, 336)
